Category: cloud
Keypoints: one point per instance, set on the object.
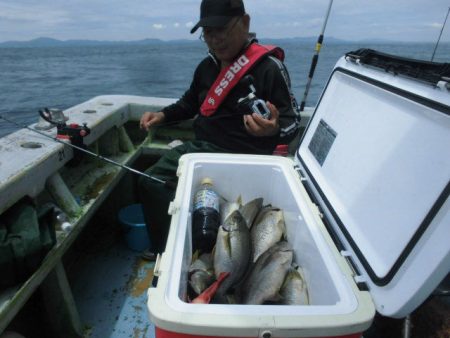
(43, 15)
(434, 25)
(349, 19)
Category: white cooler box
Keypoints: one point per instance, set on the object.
(366, 209)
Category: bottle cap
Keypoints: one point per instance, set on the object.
(207, 180)
(66, 226)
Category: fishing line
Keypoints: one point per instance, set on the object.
(167, 183)
(440, 34)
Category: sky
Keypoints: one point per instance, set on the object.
(112, 20)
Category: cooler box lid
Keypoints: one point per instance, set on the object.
(376, 154)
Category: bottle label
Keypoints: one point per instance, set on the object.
(206, 199)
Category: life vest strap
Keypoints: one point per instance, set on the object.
(230, 76)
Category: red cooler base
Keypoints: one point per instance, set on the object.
(160, 333)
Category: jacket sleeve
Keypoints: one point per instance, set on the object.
(276, 88)
(187, 106)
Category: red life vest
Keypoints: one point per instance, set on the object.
(229, 77)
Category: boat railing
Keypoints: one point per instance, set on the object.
(42, 173)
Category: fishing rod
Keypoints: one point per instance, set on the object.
(167, 183)
(440, 34)
(75, 133)
(315, 58)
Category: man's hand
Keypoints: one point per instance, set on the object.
(256, 125)
(150, 119)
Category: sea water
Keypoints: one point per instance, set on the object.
(61, 77)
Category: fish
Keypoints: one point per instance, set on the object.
(200, 280)
(294, 290)
(226, 208)
(266, 276)
(201, 273)
(250, 210)
(268, 229)
(231, 253)
(202, 262)
(206, 296)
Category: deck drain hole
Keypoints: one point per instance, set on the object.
(89, 111)
(106, 104)
(31, 145)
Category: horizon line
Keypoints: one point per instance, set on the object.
(195, 39)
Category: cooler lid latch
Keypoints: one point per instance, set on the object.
(444, 83)
(173, 208)
(358, 278)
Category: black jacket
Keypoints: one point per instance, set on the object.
(225, 128)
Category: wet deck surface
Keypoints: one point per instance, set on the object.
(110, 290)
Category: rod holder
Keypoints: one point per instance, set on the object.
(62, 195)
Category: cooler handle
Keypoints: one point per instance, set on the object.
(156, 271)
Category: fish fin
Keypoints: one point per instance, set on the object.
(276, 298)
(209, 293)
(239, 201)
(260, 201)
(195, 255)
(300, 272)
(194, 288)
(231, 299)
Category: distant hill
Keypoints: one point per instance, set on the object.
(308, 39)
(49, 42)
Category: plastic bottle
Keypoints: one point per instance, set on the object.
(206, 218)
(62, 221)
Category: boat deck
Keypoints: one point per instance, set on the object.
(110, 291)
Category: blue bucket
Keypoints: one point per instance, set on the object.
(132, 220)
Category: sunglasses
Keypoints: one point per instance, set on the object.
(222, 33)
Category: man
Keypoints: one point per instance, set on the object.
(219, 82)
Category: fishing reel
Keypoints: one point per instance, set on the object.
(251, 104)
(72, 132)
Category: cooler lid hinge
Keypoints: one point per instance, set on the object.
(304, 181)
(358, 278)
(300, 173)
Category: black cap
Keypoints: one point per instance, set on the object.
(217, 13)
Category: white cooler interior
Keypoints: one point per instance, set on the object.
(377, 159)
(388, 165)
(275, 180)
